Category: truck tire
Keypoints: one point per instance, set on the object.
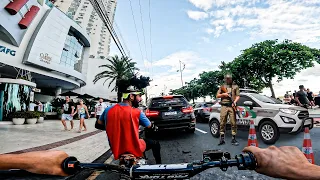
(269, 132)
(215, 128)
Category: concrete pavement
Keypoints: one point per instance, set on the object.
(86, 146)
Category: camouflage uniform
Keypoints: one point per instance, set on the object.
(226, 109)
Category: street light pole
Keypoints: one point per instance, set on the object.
(181, 69)
(181, 74)
(147, 92)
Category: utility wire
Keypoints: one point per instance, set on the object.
(103, 16)
(144, 37)
(121, 37)
(110, 23)
(150, 38)
(135, 25)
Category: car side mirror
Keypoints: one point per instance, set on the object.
(248, 103)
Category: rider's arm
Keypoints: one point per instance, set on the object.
(95, 109)
(286, 162)
(144, 121)
(39, 162)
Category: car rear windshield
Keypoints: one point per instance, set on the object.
(175, 101)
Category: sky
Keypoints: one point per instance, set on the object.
(202, 33)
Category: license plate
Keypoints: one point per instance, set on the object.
(170, 113)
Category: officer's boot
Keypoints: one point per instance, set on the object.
(234, 141)
(221, 140)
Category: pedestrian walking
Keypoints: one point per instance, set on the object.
(67, 113)
(99, 108)
(82, 110)
(228, 103)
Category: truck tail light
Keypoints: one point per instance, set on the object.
(187, 110)
(151, 113)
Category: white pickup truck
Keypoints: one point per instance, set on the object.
(272, 118)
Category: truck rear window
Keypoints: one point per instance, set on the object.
(175, 101)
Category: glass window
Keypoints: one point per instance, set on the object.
(264, 99)
(243, 99)
(72, 53)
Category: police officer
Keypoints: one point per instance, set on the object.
(227, 108)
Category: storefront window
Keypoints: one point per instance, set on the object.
(16, 98)
(72, 53)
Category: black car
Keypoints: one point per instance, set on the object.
(171, 112)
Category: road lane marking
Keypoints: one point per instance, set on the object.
(204, 132)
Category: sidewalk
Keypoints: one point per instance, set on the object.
(86, 146)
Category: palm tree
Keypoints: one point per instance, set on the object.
(117, 69)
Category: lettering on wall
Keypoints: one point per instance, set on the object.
(6, 50)
(44, 57)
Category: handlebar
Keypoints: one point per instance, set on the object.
(244, 161)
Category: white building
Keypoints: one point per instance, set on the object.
(40, 43)
(84, 14)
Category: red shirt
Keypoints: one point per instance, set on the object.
(122, 127)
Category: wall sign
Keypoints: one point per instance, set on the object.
(44, 57)
(6, 50)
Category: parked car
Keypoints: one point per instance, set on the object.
(171, 112)
(273, 117)
(202, 111)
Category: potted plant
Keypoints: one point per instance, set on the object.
(18, 118)
(41, 117)
(32, 117)
(56, 104)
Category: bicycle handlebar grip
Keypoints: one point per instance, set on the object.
(246, 161)
(70, 165)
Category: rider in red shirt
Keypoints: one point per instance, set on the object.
(121, 123)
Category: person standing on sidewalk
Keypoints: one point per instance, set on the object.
(227, 109)
(67, 113)
(99, 108)
(82, 110)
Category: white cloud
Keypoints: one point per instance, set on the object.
(210, 31)
(197, 15)
(194, 65)
(205, 39)
(296, 19)
(208, 4)
(308, 77)
(202, 4)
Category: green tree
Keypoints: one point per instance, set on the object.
(117, 69)
(209, 82)
(271, 59)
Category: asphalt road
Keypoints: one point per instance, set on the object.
(179, 147)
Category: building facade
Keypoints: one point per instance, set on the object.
(42, 45)
(82, 12)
